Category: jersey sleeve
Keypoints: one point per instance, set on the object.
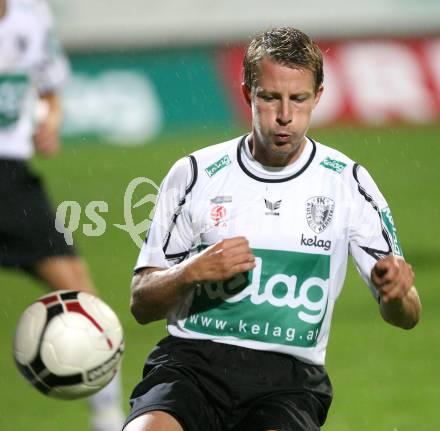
(53, 69)
(170, 237)
(372, 233)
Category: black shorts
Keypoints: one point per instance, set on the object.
(27, 221)
(211, 386)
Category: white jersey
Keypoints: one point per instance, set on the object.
(301, 221)
(31, 61)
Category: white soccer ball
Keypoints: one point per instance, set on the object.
(68, 344)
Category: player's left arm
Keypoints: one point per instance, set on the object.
(46, 135)
(378, 255)
(399, 301)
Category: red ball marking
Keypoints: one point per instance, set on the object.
(77, 308)
(49, 300)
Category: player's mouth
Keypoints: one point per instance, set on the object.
(282, 138)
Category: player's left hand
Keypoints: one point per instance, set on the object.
(45, 138)
(393, 278)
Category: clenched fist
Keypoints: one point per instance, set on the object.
(393, 278)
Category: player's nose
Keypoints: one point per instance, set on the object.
(284, 113)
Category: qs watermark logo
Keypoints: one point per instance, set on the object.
(68, 215)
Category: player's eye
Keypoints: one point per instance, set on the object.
(266, 97)
(299, 99)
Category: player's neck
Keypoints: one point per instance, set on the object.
(264, 156)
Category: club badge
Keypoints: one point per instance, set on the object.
(319, 212)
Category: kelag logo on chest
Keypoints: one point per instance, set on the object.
(283, 300)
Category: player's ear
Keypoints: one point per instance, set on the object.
(318, 95)
(246, 93)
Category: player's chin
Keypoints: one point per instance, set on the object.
(284, 147)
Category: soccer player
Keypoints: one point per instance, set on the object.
(247, 254)
(33, 66)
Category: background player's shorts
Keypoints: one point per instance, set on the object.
(27, 221)
(211, 386)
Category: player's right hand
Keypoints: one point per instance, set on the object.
(221, 261)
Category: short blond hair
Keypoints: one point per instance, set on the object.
(287, 46)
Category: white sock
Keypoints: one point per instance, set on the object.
(106, 406)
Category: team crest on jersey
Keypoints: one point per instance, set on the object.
(319, 212)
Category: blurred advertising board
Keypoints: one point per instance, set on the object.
(145, 23)
(134, 97)
(131, 98)
(370, 81)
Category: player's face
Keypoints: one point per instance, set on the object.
(282, 103)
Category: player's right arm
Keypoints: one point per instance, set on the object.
(156, 291)
(167, 269)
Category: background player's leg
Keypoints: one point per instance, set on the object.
(71, 273)
(107, 414)
(154, 421)
(65, 273)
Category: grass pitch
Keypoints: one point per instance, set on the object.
(383, 377)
